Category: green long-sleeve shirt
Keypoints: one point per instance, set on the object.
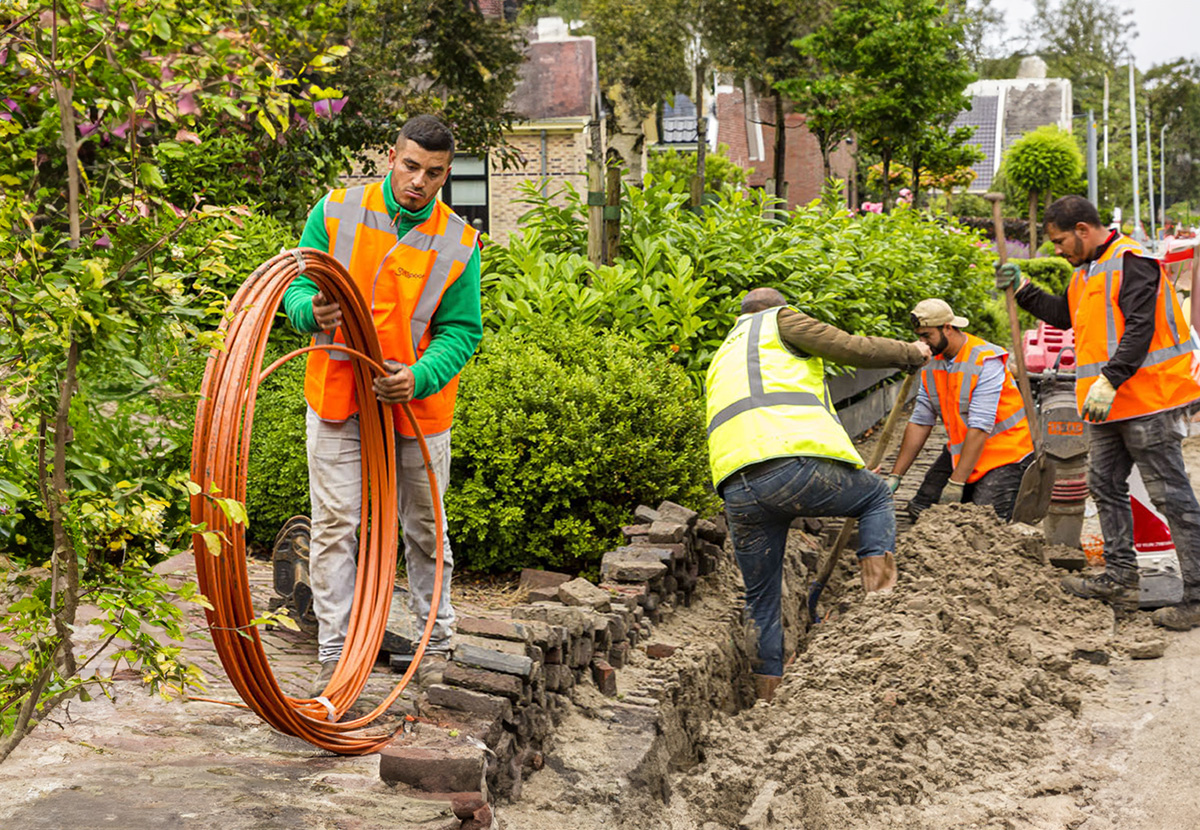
(457, 324)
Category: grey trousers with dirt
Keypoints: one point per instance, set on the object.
(335, 487)
(1153, 443)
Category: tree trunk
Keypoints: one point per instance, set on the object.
(628, 137)
(66, 113)
(1033, 206)
(64, 550)
(781, 187)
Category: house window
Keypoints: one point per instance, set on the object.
(466, 191)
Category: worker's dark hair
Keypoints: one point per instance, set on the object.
(430, 132)
(1069, 211)
(760, 299)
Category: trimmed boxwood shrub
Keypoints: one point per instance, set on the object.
(560, 432)
(277, 485)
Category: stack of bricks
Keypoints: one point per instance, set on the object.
(511, 678)
(665, 557)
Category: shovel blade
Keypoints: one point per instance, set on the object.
(1037, 485)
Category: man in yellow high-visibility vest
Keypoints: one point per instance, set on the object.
(778, 451)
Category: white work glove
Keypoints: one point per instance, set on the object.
(893, 482)
(1099, 400)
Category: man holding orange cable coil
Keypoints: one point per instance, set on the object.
(417, 264)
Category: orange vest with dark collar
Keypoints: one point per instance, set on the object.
(1164, 379)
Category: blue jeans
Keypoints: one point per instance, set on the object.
(1152, 441)
(760, 503)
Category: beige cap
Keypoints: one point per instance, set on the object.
(935, 312)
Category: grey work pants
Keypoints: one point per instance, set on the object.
(1153, 443)
(335, 486)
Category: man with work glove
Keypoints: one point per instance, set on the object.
(1133, 383)
(418, 264)
(967, 384)
(777, 451)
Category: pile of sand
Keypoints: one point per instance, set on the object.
(951, 677)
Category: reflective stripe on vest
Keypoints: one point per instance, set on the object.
(1163, 379)
(764, 402)
(1009, 440)
(403, 280)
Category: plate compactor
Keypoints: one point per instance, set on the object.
(1050, 357)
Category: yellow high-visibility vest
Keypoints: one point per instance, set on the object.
(765, 402)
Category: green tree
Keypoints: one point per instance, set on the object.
(908, 75)
(822, 93)
(102, 303)
(419, 56)
(641, 49)
(1042, 162)
(753, 39)
(1173, 90)
(1083, 40)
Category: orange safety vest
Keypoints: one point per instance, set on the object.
(950, 385)
(1164, 380)
(403, 280)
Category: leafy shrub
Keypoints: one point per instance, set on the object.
(1044, 160)
(675, 285)
(277, 484)
(675, 170)
(560, 432)
(1051, 272)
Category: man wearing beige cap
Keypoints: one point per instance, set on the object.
(968, 384)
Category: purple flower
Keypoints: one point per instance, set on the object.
(103, 242)
(329, 107)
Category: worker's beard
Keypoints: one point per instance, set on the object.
(938, 347)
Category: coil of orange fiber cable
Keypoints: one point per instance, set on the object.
(220, 459)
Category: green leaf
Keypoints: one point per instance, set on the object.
(151, 176)
(212, 540)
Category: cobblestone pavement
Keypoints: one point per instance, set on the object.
(142, 762)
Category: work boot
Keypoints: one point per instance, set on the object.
(326, 674)
(765, 686)
(1104, 588)
(878, 572)
(1182, 617)
(432, 668)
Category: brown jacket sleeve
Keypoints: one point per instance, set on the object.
(827, 342)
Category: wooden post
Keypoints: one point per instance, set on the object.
(612, 214)
(595, 211)
(998, 225)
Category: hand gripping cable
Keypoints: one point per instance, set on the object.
(220, 459)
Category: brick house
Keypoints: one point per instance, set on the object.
(558, 99)
(750, 134)
(752, 143)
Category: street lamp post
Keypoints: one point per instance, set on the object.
(1162, 174)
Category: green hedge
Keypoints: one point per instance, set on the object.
(277, 485)
(679, 276)
(560, 432)
(1051, 273)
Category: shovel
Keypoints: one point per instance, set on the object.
(1033, 497)
(877, 456)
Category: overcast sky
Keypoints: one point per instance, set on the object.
(1167, 29)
